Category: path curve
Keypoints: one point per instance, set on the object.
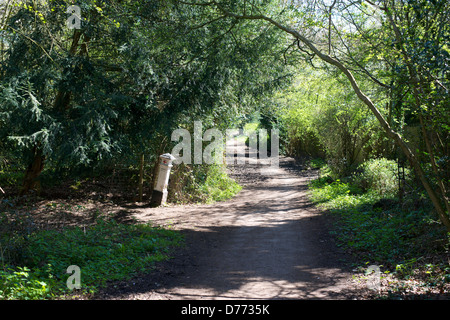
(269, 242)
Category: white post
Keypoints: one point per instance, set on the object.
(159, 195)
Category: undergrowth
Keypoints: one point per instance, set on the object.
(201, 184)
(404, 237)
(106, 251)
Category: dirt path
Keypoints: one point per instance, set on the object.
(268, 242)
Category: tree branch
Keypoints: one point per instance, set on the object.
(197, 3)
(34, 42)
(206, 23)
(376, 6)
(329, 26)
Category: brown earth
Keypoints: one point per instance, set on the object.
(268, 242)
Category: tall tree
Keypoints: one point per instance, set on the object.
(132, 73)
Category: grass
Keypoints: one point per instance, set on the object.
(106, 251)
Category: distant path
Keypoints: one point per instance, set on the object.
(268, 242)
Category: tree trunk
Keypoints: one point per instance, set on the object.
(141, 177)
(33, 171)
(62, 101)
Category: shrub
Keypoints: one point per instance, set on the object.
(218, 185)
(16, 226)
(201, 183)
(378, 175)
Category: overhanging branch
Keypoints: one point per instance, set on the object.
(365, 99)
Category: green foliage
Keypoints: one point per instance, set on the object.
(335, 191)
(201, 183)
(10, 178)
(372, 224)
(380, 176)
(16, 226)
(316, 163)
(23, 285)
(323, 117)
(121, 84)
(218, 186)
(105, 252)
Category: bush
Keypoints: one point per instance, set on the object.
(16, 226)
(11, 171)
(201, 183)
(378, 175)
(218, 186)
(323, 118)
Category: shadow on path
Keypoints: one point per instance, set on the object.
(268, 242)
